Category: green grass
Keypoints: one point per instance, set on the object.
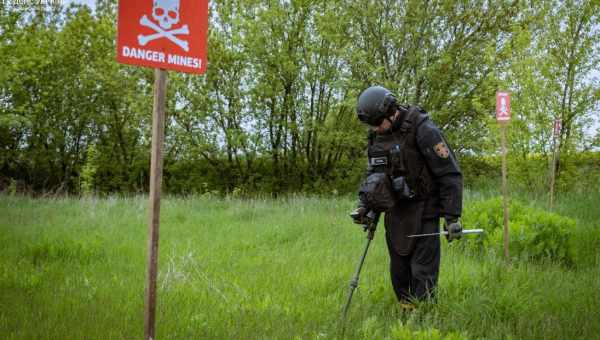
(261, 269)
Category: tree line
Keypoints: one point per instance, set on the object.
(275, 111)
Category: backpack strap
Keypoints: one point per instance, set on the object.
(419, 178)
(408, 128)
(371, 137)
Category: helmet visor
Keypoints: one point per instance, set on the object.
(373, 120)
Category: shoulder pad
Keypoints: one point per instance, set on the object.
(418, 108)
(417, 114)
(436, 151)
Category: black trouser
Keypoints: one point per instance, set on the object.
(415, 276)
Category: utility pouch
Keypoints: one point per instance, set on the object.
(376, 192)
(400, 186)
(397, 161)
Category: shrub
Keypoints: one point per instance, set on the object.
(534, 233)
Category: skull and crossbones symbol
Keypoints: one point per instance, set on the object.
(166, 13)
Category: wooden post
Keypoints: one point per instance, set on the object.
(156, 167)
(555, 136)
(553, 173)
(504, 187)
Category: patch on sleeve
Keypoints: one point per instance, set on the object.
(441, 150)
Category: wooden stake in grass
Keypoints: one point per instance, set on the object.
(504, 189)
(555, 136)
(156, 167)
(503, 117)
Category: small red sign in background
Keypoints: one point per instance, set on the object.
(167, 34)
(502, 106)
(557, 127)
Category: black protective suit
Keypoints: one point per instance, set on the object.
(416, 156)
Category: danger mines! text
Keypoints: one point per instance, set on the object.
(159, 57)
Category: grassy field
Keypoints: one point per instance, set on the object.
(262, 269)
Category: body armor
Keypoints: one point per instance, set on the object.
(396, 153)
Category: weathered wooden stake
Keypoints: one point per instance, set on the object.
(156, 167)
(553, 169)
(504, 187)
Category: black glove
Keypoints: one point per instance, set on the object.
(453, 227)
(359, 216)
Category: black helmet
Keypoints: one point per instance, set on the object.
(375, 104)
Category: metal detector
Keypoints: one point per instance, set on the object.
(370, 227)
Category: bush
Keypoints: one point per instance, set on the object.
(534, 233)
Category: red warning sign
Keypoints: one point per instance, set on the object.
(168, 34)
(557, 127)
(502, 106)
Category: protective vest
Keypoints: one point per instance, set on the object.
(397, 154)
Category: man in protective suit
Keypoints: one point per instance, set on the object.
(426, 182)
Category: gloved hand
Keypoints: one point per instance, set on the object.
(453, 227)
(359, 216)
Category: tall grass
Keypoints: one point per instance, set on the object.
(256, 269)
